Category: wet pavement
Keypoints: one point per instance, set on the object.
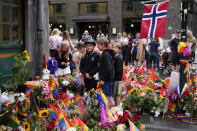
(166, 124)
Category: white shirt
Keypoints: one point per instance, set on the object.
(55, 41)
(125, 41)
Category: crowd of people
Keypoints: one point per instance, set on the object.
(101, 60)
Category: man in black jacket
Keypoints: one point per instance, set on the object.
(174, 50)
(106, 66)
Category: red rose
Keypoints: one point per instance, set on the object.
(174, 116)
(135, 119)
(51, 125)
(136, 116)
(49, 128)
(84, 120)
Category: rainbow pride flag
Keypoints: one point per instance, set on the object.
(186, 68)
(132, 127)
(81, 124)
(77, 98)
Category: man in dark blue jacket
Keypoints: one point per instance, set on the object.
(89, 64)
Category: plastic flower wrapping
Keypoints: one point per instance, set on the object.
(184, 48)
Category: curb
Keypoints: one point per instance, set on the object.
(163, 128)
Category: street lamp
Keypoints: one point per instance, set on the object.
(186, 8)
(184, 14)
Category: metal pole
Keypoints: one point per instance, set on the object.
(184, 6)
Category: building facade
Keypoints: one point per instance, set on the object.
(112, 16)
(24, 25)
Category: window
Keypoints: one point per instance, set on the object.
(133, 8)
(93, 8)
(57, 9)
(10, 21)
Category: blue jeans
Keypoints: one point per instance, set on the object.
(107, 89)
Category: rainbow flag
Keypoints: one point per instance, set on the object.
(189, 82)
(75, 123)
(37, 108)
(110, 116)
(63, 106)
(62, 122)
(186, 89)
(55, 81)
(80, 107)
(162, 60)
(183, 61)
(148, 81)
(167, 82)
(186, 68)
(53, 88)
(173, 107)
(141, 69)
(53, 114)
(124, 77)
(104, 100)
(88, 100)
(132, 127)
(81, 124)
(77, 98)
(68, 93)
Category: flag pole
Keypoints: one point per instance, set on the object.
(144, 2)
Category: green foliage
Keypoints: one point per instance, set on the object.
(20, 72)
(149, 101)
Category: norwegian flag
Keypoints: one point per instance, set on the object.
(154, 20)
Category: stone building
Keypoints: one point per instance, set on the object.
(24, 24)
(111, 16)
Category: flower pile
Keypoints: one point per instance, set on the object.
(56, 103)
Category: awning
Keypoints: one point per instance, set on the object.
(104, 18)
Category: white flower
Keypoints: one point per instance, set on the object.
(121, 127)
(65, 83)
(72, 95)
(71, 129)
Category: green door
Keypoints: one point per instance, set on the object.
(10, 35)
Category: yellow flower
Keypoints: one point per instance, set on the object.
(28, 58)
(133, 89)
(25, 52)
(43, 113)
(26, 126)
(26, 55)
(149, 89)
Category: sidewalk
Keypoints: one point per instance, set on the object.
(165, 124)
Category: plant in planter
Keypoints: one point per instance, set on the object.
(20, 72)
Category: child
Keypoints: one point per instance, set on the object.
(77, 59)
(64, 59)
(89, 64)
(106, 67)
(118, 68)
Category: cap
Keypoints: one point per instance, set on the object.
(178, 31)
(85, 32)
(89, 40)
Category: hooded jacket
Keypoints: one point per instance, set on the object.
(118, 67)
(89, 63)
(106, 66)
